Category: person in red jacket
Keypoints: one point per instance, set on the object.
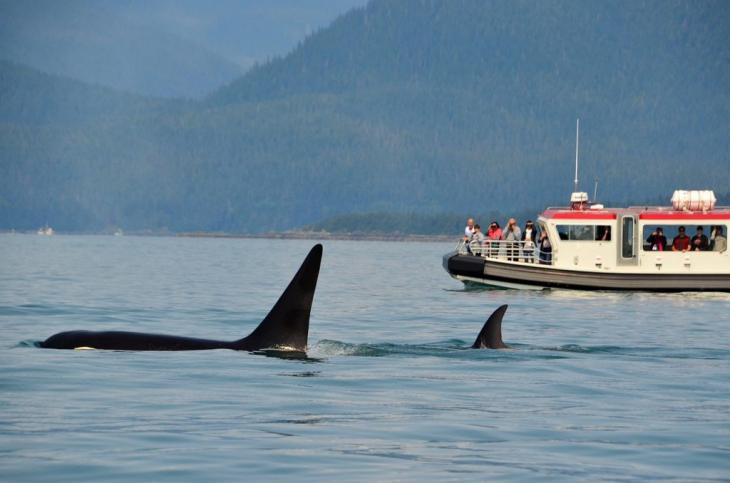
(681, 242)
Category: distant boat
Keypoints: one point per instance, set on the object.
(118, 232)
(45, 230)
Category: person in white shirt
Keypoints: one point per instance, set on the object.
(719, 242)
(469, 230)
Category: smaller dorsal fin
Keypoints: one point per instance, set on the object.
(490, 336)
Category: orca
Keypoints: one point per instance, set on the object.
(286, 326)
(490, 337)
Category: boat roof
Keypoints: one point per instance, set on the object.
(664, 213)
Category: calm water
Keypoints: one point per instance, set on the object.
(599, 385)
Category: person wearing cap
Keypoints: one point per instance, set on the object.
(681, 242)
(700, 241)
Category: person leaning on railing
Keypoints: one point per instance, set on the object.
(494, 233)
(477, 240)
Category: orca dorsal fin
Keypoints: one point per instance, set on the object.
(287, 324)
(490, 336)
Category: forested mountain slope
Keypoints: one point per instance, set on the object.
(407, 106)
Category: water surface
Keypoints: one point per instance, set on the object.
(598, 385)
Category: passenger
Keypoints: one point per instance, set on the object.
(681, 242)
(512, 234)
(477, 240)
(699, 241)
(468, 233)
(544, 248)
(529, 238)
(719, 241)
(657, 241)
(494, 233)
(469, 230)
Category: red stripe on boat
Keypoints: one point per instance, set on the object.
(580, 215)
(685, 216)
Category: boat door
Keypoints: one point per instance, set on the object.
(629, 236)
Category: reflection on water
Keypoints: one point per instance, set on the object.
(294, 355)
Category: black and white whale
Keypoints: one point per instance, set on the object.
(490, 337)
(286, 325)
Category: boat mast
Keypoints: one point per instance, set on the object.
(577, 131)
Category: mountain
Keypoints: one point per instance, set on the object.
(160, 48)
(405, 106)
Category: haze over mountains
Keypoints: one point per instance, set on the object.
(166, 48)
(401, 106)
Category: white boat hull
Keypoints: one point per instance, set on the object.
(506, 274)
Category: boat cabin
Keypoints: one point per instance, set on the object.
(616, 239)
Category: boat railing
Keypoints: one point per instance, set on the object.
(524, 251)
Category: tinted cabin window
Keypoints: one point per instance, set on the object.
(603, 233)
(584, 232)
(716, 234)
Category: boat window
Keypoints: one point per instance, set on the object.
(603, 233)
(584, 232)
(661, 237)
(627, 239)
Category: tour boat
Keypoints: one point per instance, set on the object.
(592, 247)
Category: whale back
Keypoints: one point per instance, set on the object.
(286, 325)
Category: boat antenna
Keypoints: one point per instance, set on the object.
(577, 131)
(595, 188)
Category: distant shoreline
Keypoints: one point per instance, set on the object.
(323, 235)
(287, 235)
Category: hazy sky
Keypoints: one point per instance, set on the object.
(158, 47)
